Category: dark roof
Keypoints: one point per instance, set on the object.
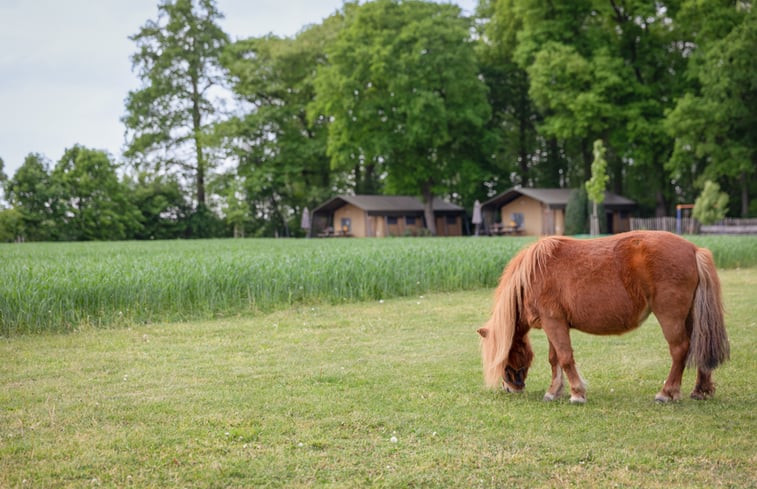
(385, 204)
(554, 197)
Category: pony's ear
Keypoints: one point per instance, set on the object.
(483, 332)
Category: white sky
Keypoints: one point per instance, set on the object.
(65, 66)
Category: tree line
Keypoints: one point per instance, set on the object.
(408, 97)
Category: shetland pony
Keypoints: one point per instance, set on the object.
(606, 286)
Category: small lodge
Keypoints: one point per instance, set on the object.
(541, 211)
(383, 215)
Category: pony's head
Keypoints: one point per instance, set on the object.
(505, 350)
(512, 372)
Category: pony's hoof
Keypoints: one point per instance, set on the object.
(661, 397)
(577, 400)
(549, 397)
(700, 396)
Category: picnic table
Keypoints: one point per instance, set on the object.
(502, 229)
(330, 233)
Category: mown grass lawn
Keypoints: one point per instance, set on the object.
(373, 394)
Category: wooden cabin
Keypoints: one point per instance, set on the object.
(541, 211)
(383, 215)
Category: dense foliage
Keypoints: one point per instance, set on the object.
(386, 96)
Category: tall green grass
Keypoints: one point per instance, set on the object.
(63, 286)
(59, 287)
(730, 251)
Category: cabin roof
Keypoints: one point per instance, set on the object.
(386, 204)
(555, 198)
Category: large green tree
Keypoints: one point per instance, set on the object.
(403, 96)
(167, 120)
(163, 210)
(596, 70)
(31, 192)
(282, 161)
(715, 126)
(512, 127)
(93, 202)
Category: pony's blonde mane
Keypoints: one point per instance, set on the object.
(515, 286)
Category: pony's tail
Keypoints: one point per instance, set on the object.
(499, 331)
(709, 345)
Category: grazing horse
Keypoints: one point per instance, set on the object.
(606, 286)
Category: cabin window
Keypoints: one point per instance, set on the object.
(390, 220)
(346, 225)
(410, 220)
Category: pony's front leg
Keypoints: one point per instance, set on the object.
(556, 387)
(558, 334)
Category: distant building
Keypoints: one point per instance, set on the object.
(541, 211)
(383, 215)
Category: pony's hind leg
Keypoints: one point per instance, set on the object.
(678, 343)
(705, 387)
(558, 377)
(558, 335)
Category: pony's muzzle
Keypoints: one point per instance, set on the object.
(515, 380)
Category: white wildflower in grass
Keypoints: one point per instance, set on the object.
(393, 439)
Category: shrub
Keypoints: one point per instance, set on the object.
(576, 215)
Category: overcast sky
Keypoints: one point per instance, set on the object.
(65, 66)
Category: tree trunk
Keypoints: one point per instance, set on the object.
(526, 126)
(594, 220)
(196, 131)
(661, 203)
(588, 157)
(744, 194)
(661, 209)
(524, 151)
(552, 176)
(428, 208)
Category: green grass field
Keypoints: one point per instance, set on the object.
(369, 394)
(60, 287)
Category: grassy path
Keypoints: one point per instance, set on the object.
(373, 394)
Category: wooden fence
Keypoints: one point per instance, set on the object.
(689, 225)
(732, 226)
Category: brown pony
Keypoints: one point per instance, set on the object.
(606, 286)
